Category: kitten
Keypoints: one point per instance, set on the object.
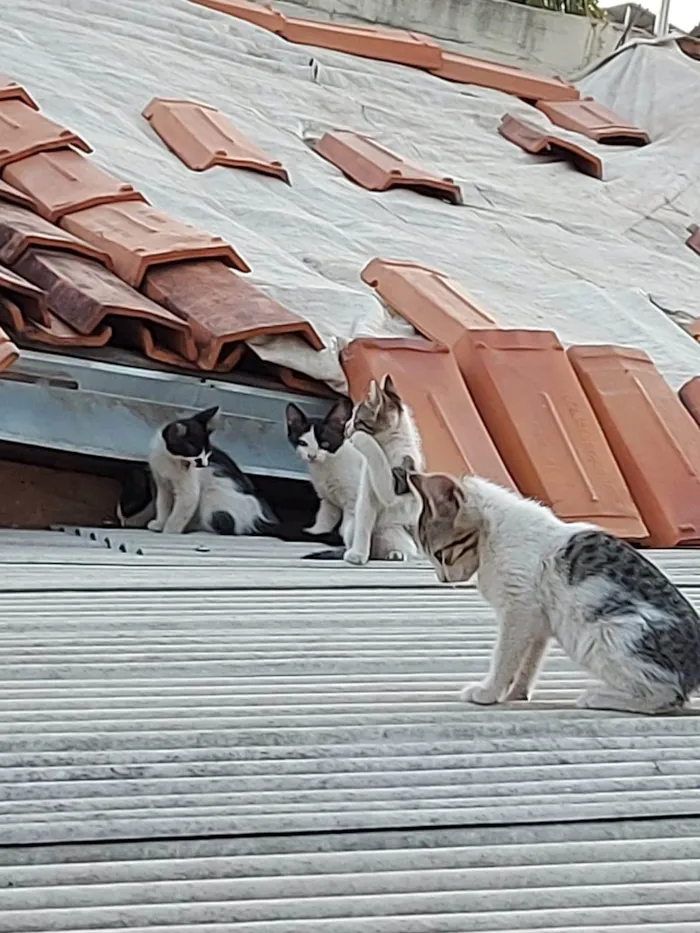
(335, 469)
(382, 428)
(198, 486)
(612, 611)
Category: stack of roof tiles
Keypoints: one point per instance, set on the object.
(595, 432)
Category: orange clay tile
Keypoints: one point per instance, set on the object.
(202, 137)
(593, 120)
(21, 229)
(370, 165)
(427, 378)
(53, 332)
(137, 237)
(544, 428)
(64, 181)
(222, 309)
(8, 352)
(467, 70)
(301, 383)
(13, 196)
(32, 300)
(260, 14)
(24, 132)
(653, 438)
(86, 296)
(693, 240)
(437, 307)
(11, 90)
(384, 44)
(532, 139)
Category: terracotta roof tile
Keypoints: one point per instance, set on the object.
(689, 394)
(260, 14)
(202, 137)
(382, 43)
(24, 132)
(301, 383)
(8, 352)
(21, 229)
(426, 375)
(377, 169)
(435, 305)
(31, 298)
(138, 237)
(693, 240)
(544, 428)
(467, 70)
(13, 196)
(52, 332)
(86, 296)
(11, 90)
(222, 309)
(593, 120)
(64, 181)
(534, 140)
(655, 441)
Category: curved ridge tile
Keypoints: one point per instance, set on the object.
(64, 181)
(21, 229)
(535, 141)
(591, 119)
(464, 69)
(24, 132)
(373, 167)
(202, 137)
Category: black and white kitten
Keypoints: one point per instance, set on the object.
(198, 486)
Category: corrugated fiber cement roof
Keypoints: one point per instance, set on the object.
(213, 735)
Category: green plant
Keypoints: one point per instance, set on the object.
(576, 7)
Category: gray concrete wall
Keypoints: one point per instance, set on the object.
(495, 29)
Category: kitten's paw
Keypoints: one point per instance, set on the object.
(478, 695)
(395, 555)
(355, 557)
(154, 525)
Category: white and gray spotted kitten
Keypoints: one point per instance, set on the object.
(612, 611)
(382, 428)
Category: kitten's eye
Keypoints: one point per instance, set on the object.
(302, 444)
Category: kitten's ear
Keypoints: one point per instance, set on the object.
(442, 494)
(339, 413)
(389, 389)
(208, 417)
(296, 419)
(374, 395)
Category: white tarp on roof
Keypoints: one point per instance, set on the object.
(536, 244)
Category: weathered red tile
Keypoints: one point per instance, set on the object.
(138, 237)
(654, 439)
(86, 296)
(14, 196)
(260, 14)
(53, 332)
(532, 139)
(545, 430)
(222, 309)
(24, 132)
(593, 120)
(202, 137)
(31, 298)
(426, 376)
(64, 181)
(370, 165)
(21, 229)
(467, 70)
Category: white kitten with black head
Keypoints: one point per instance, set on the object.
(334, 466)
(198, 486)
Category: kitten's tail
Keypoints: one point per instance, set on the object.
(335, 553)
(378, 468)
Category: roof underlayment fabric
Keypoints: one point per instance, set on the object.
(536, 244)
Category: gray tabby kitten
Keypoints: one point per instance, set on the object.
(612, 611)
